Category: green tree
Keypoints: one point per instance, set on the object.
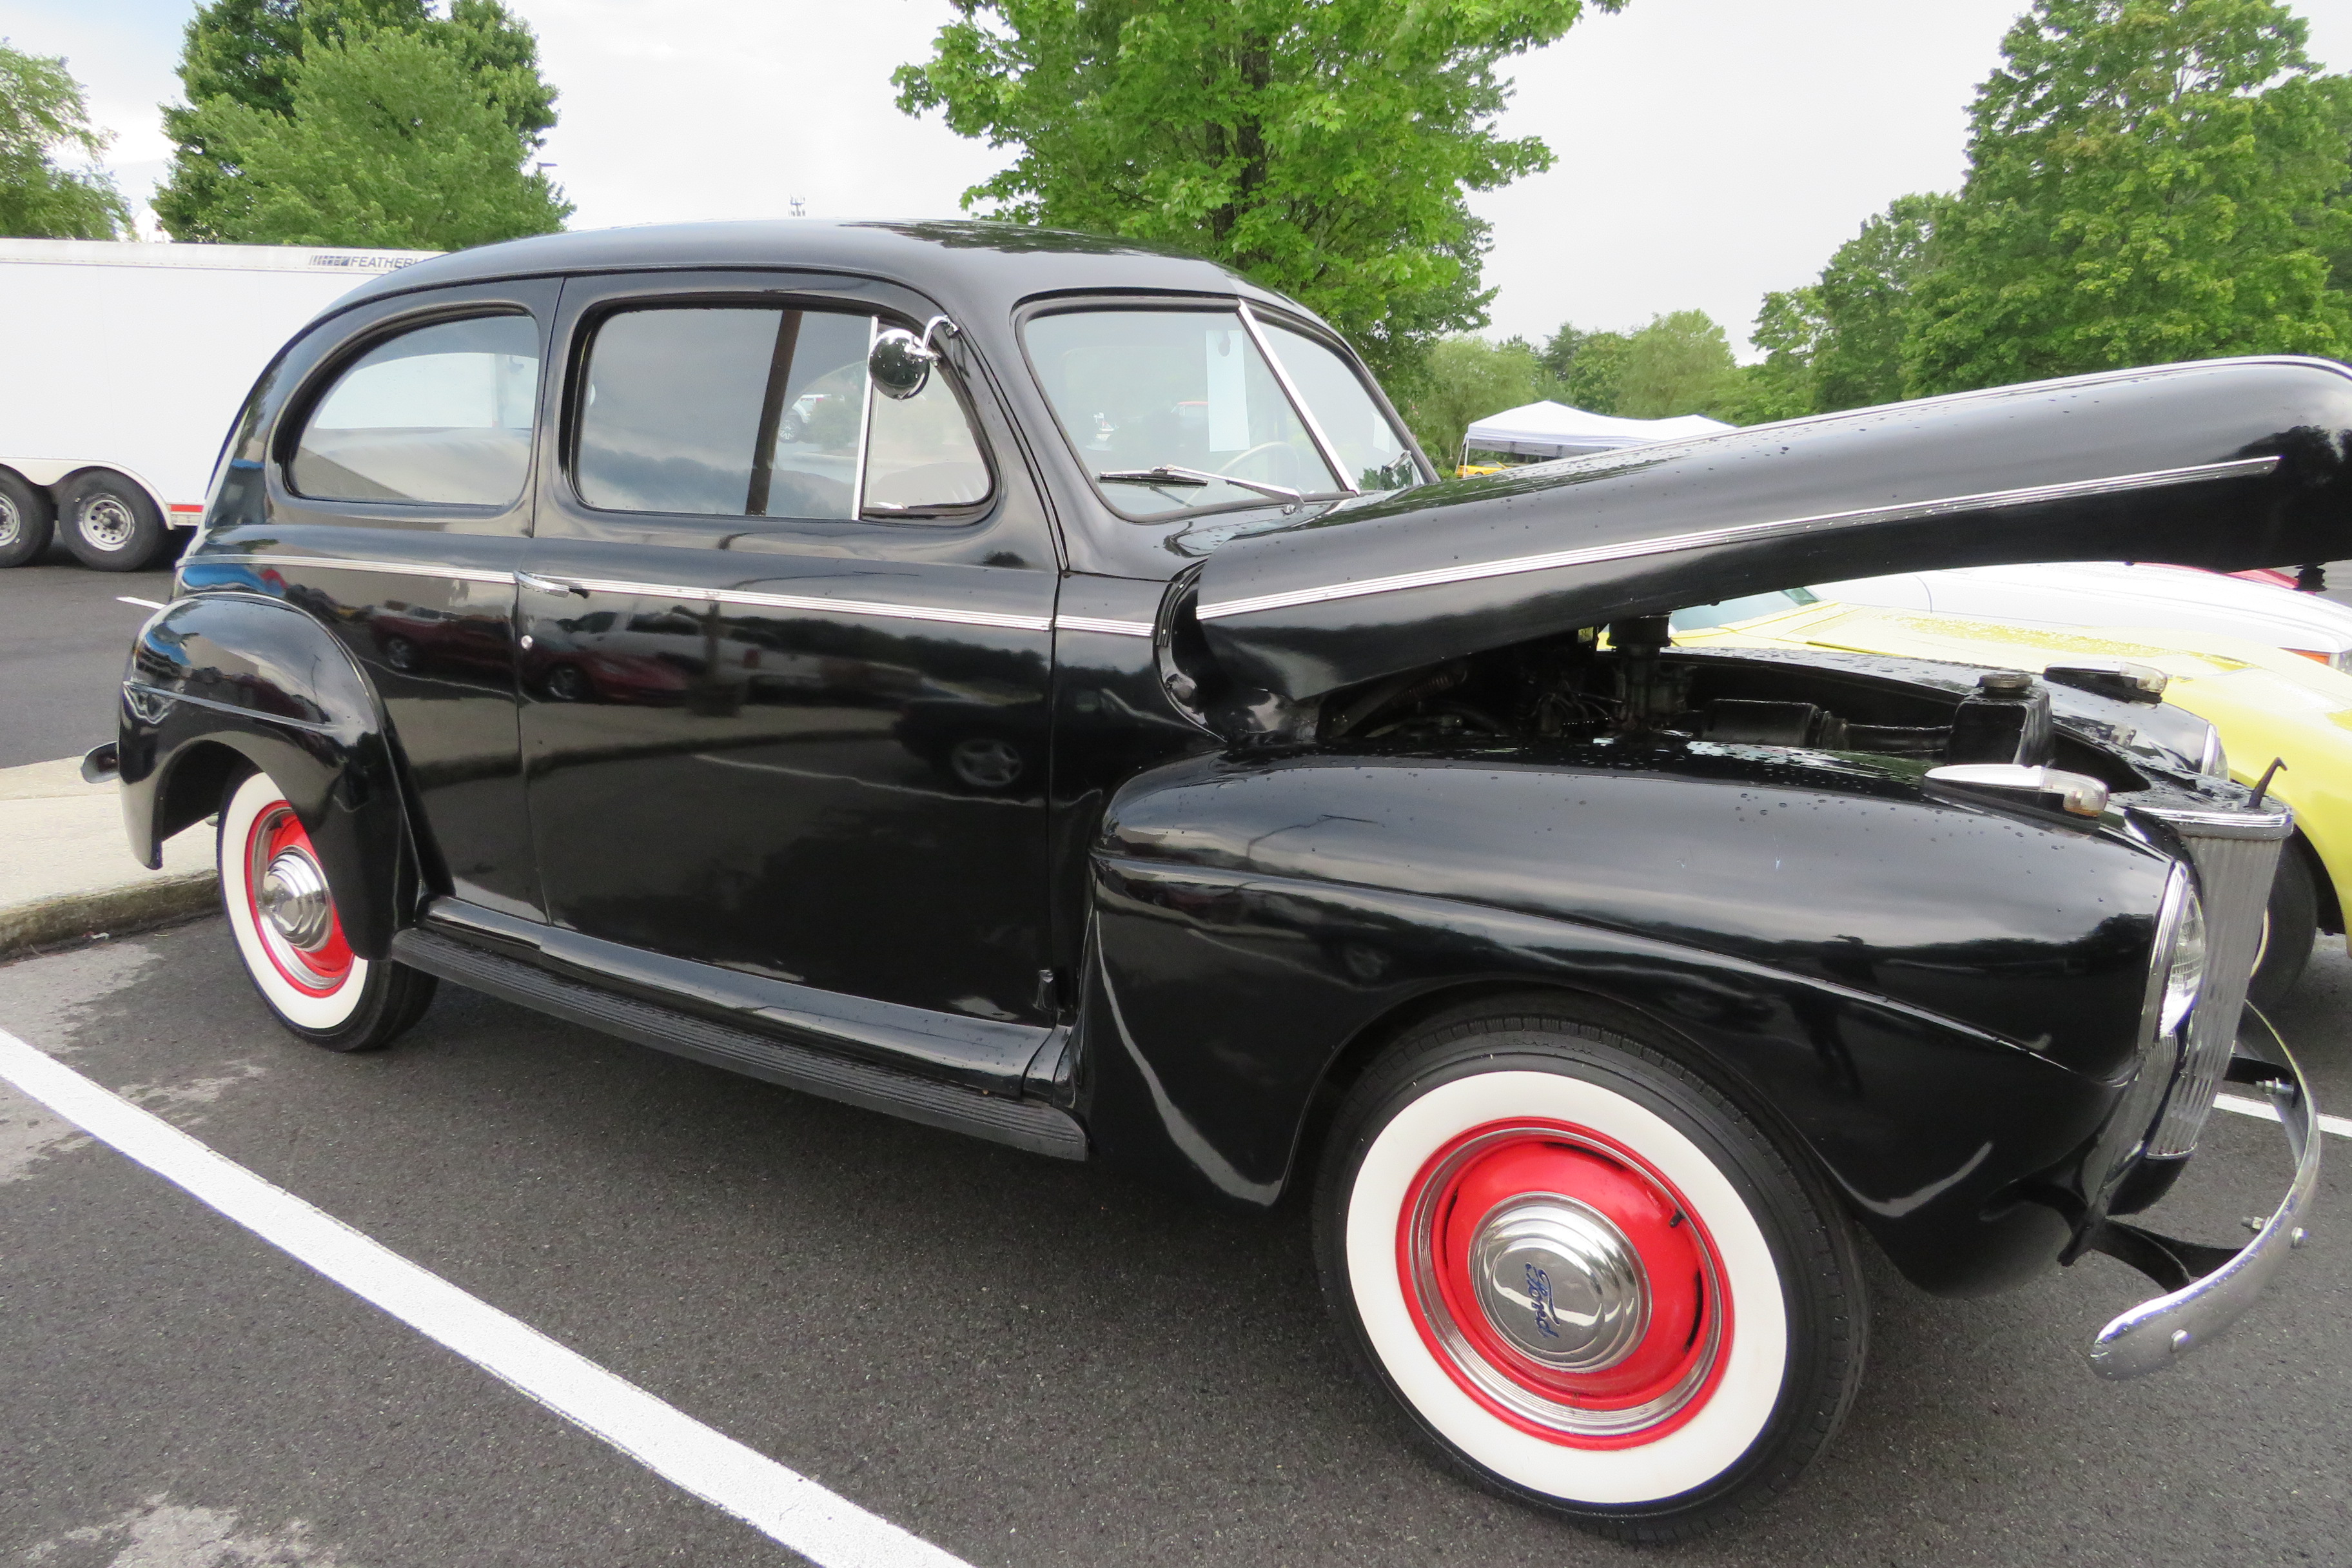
(244, 67)
(1869, 303)
(1465, 379)
(2149, 180)
(1584, 370)
(1838, 342)
(1322, 150)
(1680, 364)
(42, 115)
(1782, 385)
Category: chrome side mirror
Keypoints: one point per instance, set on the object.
(899, 363)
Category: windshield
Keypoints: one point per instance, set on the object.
(1368, 447)
(1177, 411)
(1748, 607)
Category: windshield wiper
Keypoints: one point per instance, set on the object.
(1165, 474)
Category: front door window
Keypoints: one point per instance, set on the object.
(758, 411)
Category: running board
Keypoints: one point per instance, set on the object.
(1024, 1124)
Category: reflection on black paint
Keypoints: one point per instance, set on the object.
(850, 804)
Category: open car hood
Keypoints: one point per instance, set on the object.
(2225, 463)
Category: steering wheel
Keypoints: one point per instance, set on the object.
(1290, 467)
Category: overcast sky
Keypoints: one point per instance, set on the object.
(1708, 150)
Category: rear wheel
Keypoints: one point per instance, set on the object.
(290, 934)
(1583, 1272)
(26, 515)
(110, 523)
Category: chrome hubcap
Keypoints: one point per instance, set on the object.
(11, 523)
(1560, 1283)
(106, 522)
(294, 901)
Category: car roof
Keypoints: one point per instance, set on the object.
(977, 265)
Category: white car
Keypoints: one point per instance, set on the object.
(2113, 594)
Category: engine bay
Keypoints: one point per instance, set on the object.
(1627, 684)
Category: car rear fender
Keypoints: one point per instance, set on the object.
(218, 682)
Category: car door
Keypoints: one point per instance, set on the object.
(788, 648)
(394, 507)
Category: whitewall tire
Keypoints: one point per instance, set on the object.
(1583, 1272)
(288, 929)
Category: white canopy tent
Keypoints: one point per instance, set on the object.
(1556, 430)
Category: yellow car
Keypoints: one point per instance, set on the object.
(2267, 704)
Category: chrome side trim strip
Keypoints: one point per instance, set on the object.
(669, 591)
(2240, 468)
(397, 568)
(1097, 624)
(815, 604)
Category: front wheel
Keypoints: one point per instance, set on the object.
(290, 934)
(2290, 929)
(1598, 1285)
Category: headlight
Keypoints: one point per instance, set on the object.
(2180, 948)
(2215, 762)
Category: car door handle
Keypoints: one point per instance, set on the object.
(532, 580)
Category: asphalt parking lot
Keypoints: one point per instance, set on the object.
(65, 631)
(1019, 1361)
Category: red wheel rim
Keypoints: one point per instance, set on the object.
(319, 968)
(1565, 1284)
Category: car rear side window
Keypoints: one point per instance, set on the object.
(758, 411)
(439, 415)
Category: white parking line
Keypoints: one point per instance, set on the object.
(788, 1507)
(2339, 1125)
(142, 603)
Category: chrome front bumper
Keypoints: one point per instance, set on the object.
(2217, 1285)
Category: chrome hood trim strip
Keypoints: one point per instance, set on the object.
(2241, 468)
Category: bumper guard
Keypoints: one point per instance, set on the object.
(2211, 1286)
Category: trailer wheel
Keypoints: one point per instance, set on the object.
(110, 523)
(26, 515)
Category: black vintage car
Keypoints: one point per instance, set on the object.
(1089, 726)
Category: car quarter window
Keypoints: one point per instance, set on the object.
(440, 413)
(921, 455)
(761, 411)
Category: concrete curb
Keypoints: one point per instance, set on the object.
(136, 906)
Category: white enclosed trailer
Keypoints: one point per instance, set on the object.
(121, 367)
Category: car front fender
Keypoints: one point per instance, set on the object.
(1940, 1004)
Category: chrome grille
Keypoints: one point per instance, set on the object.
(2236, 855)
